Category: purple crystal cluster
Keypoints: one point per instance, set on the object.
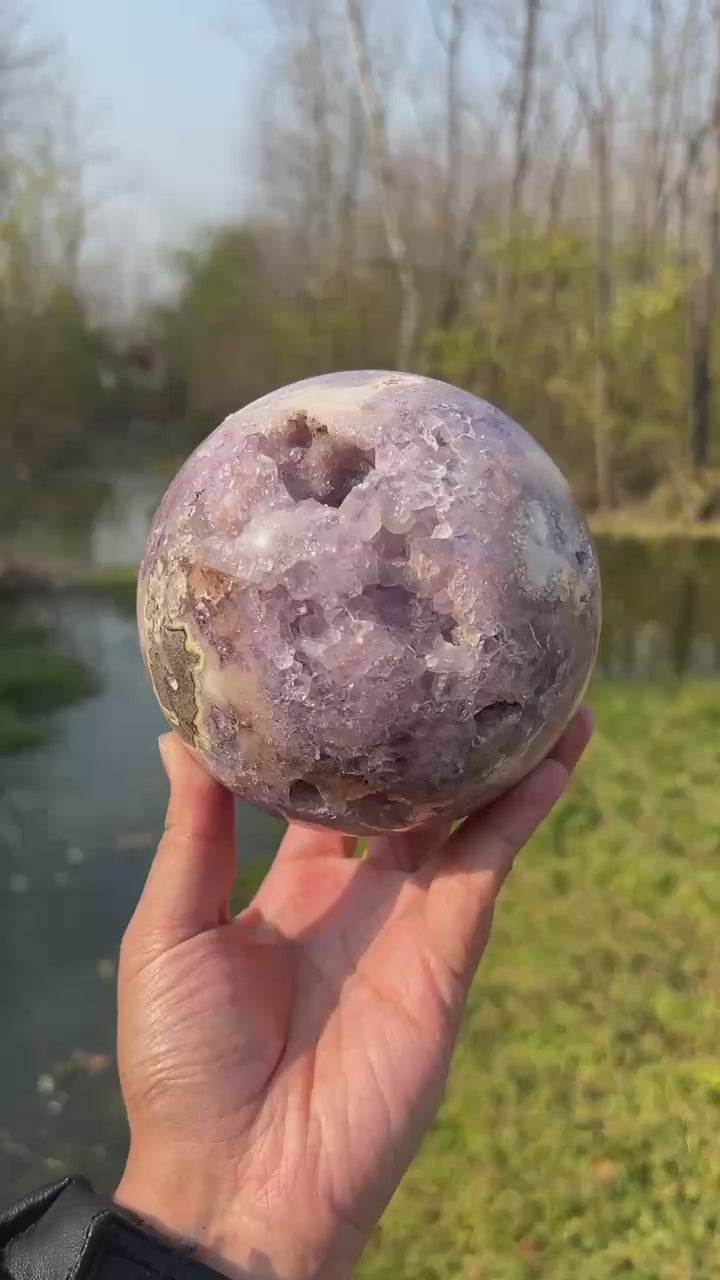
(368, 599)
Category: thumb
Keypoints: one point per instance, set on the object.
(189, 885)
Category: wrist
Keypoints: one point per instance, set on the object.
(207, 1212)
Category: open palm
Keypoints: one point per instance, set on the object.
(280, 1068)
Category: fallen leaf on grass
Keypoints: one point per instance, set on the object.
(606, 1171)
(528, 1249)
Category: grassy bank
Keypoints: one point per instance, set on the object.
(647, 528)
(579, 1136)
(36, 677)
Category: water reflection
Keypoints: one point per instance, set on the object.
(84, 521)
(117, 536)
(79, 819)
(661, 609)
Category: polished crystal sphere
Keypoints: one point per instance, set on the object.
(367, 600)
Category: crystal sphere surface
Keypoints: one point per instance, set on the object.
(368, 599)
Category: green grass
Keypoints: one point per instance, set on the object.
(115, 577)
(36, 678)
(580, 1137)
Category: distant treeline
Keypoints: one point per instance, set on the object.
(546, 233)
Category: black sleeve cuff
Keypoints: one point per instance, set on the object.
(66, 1232)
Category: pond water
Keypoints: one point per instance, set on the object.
(79, 818)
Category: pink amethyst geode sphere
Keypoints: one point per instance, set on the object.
(367, 600)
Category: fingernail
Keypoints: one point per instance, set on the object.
(162, 748)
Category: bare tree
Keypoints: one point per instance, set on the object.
(527, 69)
(387, 185)
(658, 101)
(314, 75)
(603, 129)
(349, 198)
(450, 33)
(42, 202)
(705, 301)
(672, 41)
(305, 141)
(20, 60)
(562, 169)
(596, 100)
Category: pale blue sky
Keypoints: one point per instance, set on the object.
(168, 88)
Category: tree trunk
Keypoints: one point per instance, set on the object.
(453, 154)
(705, 293)
(347, 213)
(528, 63)
(561, 173)
(652, 188)
(397, 244)
(601, 135)
(322, 193)
(603, 304)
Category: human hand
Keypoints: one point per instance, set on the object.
(280, 1069)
